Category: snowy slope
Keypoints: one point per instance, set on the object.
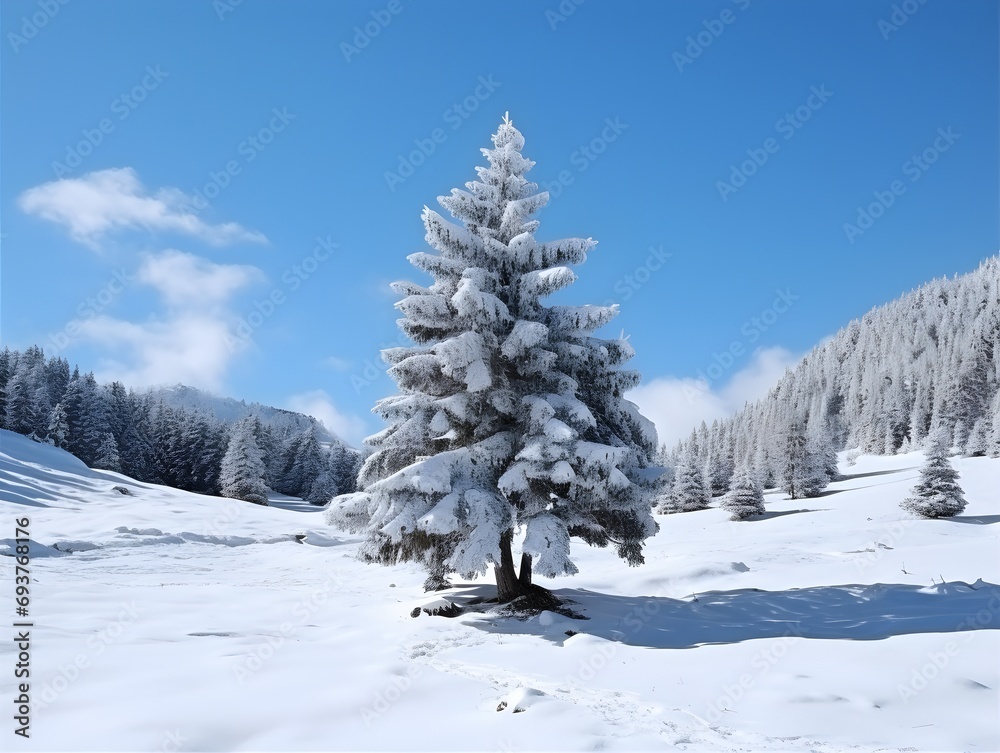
(171, 621)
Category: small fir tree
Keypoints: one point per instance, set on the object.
(242, 473)
(937, 495)
(58, 427)
(688, 492)
(107, 454)
(745, 497)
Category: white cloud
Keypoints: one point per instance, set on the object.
(678, 405)
(318, 404)
(190, 341)
(109, 200)
(193, 282)
(193, 349)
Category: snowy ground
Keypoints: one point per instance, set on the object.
(171, 621)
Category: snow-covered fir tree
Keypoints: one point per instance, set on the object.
(795, 470)
(242, 473)
(510, 417)
(807, 461)
(58, 427)
(688, 492)
(745, 497)
(107, 454)
(937, 494)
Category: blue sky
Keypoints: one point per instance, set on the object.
(220, 193)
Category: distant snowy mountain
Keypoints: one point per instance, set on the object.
(229, 410)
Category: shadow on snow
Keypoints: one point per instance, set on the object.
(846, 612)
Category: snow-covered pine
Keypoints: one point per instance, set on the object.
(937, 494)
(510, 416)
(242, 473)
(688, 492)
(337, 471)
(794, 471)
(58, 426)
(107, 454)
(745, 497)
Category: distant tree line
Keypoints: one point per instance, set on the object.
(140, 435)
(924, 366)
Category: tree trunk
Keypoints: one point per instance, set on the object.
(525, 576)
(508, 586)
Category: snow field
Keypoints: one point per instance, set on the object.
(181, 623)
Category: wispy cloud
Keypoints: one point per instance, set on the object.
(189, 281)
(112, 200)
(190, 340)
(678, 405)
(318, 404)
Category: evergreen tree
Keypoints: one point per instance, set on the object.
(745, 497)
(86, 416)
(242, 473)
(718, 472)
(794, 469)
(306, 466)
(7, 364)
(937, 495)
(977, 444)
(993, 436)
(20, 408)
(323, 488)
(511, 414)
(345, 465)
(58, 427)
(688, 492)
(107, 454)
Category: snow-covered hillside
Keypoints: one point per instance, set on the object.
(165, 620)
